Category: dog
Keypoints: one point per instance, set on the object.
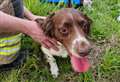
(87, 3)
(70, 28)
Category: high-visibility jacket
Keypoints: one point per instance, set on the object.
(10, 42)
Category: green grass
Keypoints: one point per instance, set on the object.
(105, 33)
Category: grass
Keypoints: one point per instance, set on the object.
(105, 34)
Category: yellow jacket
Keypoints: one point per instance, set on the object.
(9, 43)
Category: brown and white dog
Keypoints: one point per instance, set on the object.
(70, 28)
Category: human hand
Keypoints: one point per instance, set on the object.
(31, 16)
(38, 35)
(34, 17)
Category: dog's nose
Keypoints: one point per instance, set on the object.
(83, 49)
(85, 52)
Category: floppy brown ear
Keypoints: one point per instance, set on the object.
(48, 26)
(87, 24)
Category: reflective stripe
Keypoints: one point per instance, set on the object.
(7, 59)
(9, 42)
(9, 46)
(10, 50)
(10, 39)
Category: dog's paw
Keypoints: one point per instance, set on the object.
(55, 75)
(54, 70)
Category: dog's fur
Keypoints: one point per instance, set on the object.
(70, 28)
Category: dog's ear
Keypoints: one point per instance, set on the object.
(48, 26)
(39, 21)
(87, 24)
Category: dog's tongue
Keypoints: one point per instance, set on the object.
(79, 64)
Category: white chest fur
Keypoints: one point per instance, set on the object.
(49, 54)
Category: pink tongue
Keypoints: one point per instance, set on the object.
(80, 64)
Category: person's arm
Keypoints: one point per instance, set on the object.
(13, 24)
(31, 16)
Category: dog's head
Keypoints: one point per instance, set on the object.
(71, 27)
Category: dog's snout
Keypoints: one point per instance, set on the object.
(85, 52)
(83, 48)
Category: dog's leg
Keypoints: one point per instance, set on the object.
(52, 62)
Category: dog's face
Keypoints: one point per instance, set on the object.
(70, 28)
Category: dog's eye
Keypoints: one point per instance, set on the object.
(64, 31)
(81, 23)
